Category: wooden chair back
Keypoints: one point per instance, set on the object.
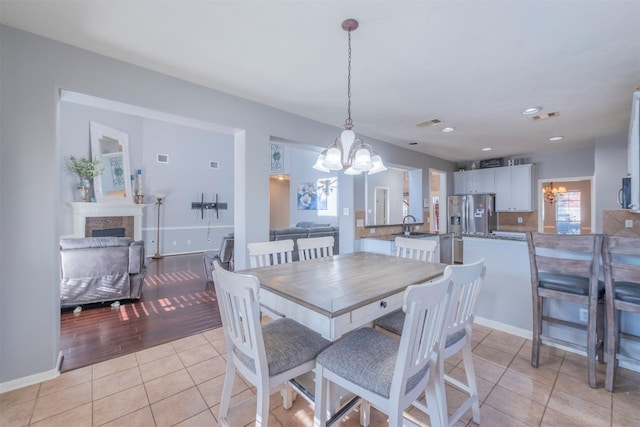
(315, 247)
(418, 249)
(262, 254)
(568, 255)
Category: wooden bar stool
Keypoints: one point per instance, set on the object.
(566, 267)
(622, 282)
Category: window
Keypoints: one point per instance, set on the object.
(568, 213)
(327, 189)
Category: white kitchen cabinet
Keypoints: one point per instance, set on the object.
(378, 246)
(513, 188)
(474, 181)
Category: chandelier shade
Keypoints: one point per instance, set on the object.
(348, 152)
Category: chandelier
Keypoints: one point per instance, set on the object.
(348, 152)
(550, 193)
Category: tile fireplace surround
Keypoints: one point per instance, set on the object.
(123, 215)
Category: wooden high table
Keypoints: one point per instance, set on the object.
(338, 294)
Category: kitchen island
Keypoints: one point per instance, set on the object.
(505, 301)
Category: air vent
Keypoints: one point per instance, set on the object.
(428, 123)
(545, 116)
(213, 164)
(162, 158)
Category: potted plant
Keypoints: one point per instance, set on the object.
(86, 170)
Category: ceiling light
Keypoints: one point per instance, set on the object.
(556, 138)
(348, 152)
(531, 110)
(448, 129)
(487, 149)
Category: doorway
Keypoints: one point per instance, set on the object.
(381, 212)
(279, 201)
(565, 205)
(436, 203)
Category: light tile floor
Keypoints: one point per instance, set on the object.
(180, 383)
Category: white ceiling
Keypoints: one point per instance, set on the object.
(473, 64)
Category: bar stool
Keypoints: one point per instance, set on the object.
(622, 282)
(566, 268)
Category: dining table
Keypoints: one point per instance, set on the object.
(336, 295)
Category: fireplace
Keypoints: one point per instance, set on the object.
(90, 217)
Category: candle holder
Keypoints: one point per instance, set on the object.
(159, 197)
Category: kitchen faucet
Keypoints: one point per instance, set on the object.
(405, 226)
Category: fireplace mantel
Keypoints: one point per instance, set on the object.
(83, 210)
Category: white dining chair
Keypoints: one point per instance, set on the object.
(467, 282)
(419, 249)
(388, 372)
(262, 254)
(315, 247)
(266, 356)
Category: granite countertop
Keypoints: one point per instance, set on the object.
(391, 237)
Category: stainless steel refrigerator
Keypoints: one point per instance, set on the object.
(470, 215)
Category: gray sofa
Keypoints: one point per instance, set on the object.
(100, 269)
(304, 230)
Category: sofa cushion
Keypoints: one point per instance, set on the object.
(94, 242)
(309, 224)
(289, 230)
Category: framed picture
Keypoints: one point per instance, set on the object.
(277, 158)
(307, 197)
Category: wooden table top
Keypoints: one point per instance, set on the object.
(336, 285)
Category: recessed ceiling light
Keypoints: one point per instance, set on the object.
(448, 129)
(556, 138)
(413, 143)
(531, 110)
(487, 149)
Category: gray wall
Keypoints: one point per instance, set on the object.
(183, 179)
(33, 70)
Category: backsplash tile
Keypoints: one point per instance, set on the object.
(613, 223)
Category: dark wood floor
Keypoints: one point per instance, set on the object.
(176, 302)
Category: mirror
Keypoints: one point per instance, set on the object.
(111, 147)
(392, 194)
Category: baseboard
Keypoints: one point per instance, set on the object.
(32, 379)
(510, 329)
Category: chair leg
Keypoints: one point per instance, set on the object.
(365, 413)
(320, 404)
(537, 330)
(600, 330)
(592, 343)
(613, 343)
(227, 387)
(434, 407)
(262, 406)
(288, 395)
(469, 370)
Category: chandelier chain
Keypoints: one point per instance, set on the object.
(349, 121)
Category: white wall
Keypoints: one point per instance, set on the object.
(611, 167)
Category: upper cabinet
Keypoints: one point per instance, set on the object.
(513, 186)
(474, 181)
